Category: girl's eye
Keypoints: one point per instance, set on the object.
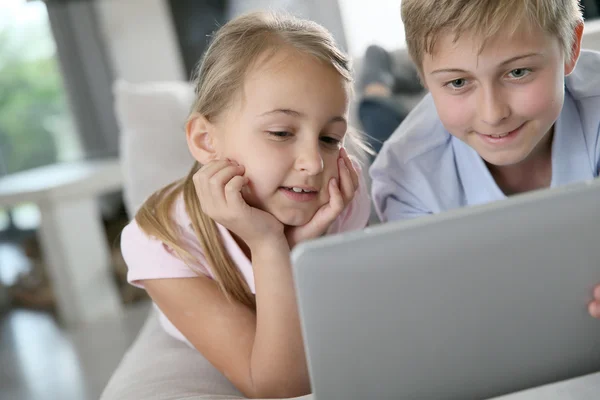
(279, 134)
(330, 140)
(519, 73)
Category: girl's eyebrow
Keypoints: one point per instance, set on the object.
(338, 119)
(285, 111)
(298, 114)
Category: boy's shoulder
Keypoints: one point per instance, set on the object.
(420, 153)
(583, 86)
(584, 82)
(415, 173)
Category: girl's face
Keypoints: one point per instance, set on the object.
(286, 128)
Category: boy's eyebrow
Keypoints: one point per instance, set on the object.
(510, 60)
(298, 114)
(446, 70)
(520, 57)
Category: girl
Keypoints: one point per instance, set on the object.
(268, 131)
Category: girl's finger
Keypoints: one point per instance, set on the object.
(328, 212)
(597, 293)
(336, 200)
(202, 176)
(210, 189)
(208, 170)
(350, 166)
(346, 186)
(218, 181)
(594, 309)
(233, 192)
(323, 218)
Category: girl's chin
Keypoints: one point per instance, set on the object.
(294, 221)
(298, 219)
(296, 216)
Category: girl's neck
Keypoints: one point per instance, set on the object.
(534, 172)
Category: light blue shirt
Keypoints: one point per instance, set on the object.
(422, 169)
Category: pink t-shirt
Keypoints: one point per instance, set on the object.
(149, 258)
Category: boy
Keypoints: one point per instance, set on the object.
(497, 120)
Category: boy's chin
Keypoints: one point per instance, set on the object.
(505, 159)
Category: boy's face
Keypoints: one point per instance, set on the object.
(503, 101)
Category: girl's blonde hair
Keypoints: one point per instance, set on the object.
(218, 78)
(425, 20)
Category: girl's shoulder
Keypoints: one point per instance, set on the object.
(148, 257)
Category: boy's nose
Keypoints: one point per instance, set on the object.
(493, 107)
(309, 160)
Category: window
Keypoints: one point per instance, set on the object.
(195, 21)
(366, 24)
(35, 123)
(36, 127)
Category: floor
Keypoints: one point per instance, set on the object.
(41, 360)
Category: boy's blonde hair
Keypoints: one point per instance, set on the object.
(218, 79)
(425, 20)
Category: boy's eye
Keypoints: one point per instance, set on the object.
(457, 83)
(519, 73)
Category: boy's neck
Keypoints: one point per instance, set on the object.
(534, 172)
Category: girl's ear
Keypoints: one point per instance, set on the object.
(200, 138)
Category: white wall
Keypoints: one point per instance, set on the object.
(141, 40)
(367, 23)
(325, 12)
(591, 35)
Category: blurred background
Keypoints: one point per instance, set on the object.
(61, 190)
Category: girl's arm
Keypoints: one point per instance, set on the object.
(261, 353)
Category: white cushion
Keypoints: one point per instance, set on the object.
(153, 147)
(158, 367)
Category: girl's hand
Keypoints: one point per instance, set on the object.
(339, 197)
(218, 186)
(595, 304)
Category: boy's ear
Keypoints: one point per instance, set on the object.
(571, 61)
(200, 138)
